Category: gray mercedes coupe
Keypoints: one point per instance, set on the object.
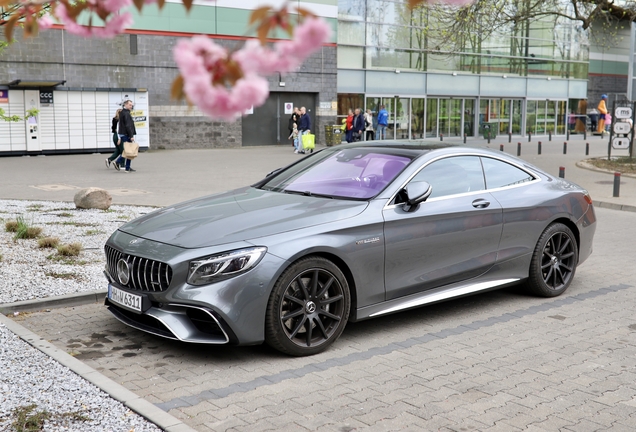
(345, 234)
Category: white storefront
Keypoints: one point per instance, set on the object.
(69, 120)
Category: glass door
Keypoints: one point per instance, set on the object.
(531, 117)
(389, 105)
(455, 117)
(444, 116)
(431, 117)
(469, 117)
(417, 119)
(516, 115)
(402, 118)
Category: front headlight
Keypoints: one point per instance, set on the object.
(225, 265)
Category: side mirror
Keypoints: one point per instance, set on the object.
(416, 193)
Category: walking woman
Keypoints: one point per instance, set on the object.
(119, 147)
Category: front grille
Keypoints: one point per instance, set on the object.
(145, 274)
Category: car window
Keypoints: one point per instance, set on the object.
(499, 174)
(453, 175)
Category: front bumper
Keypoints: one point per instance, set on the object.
(230, 311)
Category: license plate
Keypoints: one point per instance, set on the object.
(126, 299)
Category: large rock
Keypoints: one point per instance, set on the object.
(93, 198)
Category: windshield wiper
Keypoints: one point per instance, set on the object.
(307, 193)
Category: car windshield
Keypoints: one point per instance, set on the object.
(354, 173)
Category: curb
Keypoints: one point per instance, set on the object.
(614, 206)
(584, 164)
(75, 299)
(149, 411)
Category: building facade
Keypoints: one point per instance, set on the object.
(526, 78)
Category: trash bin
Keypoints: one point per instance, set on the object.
(333, 135)
(489, 130)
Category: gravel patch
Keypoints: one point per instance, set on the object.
(29, 272)
(29, 378)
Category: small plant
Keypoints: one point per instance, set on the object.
(11, 226)
(62, 275)
(24, 230)
(69, 250)
(65, 214)
(29, 420)
(1, 257)
(26, 420)
(93, 232)
(35, 207)
(48, 242)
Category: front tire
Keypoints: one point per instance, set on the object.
(308, 308)
(554, 262)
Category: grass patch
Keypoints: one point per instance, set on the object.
(621, 164)
(68, 260)
(66, 276)
(65, 214)
(93, 232)
(69, 250)
(48, 242)
(35, 207)
(77, 224)
(27, 419)
(22, 229)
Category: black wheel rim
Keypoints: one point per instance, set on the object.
(557, 261)
(312, 308)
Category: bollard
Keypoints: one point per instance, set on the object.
(441, 137)
(529, 136)
(587, 149)
(509, 136)
(567, 137)
(464, 138)
(617, 184)
(549, 135)
(562, 172)
(501, 147)
(518, 149)
(488, 138)
(585, 133)
(539, 149)
(565, 147)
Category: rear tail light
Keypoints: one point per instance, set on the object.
(588, 198)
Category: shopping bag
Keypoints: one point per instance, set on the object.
(309, 141)
(130, 150)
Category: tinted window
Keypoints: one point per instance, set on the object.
(358, 173)
(453, 175)
(500, 174)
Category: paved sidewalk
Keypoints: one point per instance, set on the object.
(166, 177)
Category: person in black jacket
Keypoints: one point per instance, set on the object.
(358, 125)
(118, 143)
(127, 132)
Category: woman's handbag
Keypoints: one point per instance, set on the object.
(130, 150)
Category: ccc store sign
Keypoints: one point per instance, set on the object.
(46, 97)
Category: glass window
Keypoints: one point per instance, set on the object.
(350, 33)
(351, 9)
(350, 57)
(453, 175)
(500, 174)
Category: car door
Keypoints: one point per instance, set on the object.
(452, 236)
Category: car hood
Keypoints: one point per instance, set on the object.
(242, 214)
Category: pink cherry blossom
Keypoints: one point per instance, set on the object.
(113, 6)
(45, 23)
(114, 26)
(197, 60)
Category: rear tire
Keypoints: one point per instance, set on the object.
(308, 308)
(554, 262)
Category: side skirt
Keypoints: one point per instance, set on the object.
(431, 296)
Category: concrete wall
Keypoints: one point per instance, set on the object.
(56, 55)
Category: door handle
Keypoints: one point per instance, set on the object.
(481, 203)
